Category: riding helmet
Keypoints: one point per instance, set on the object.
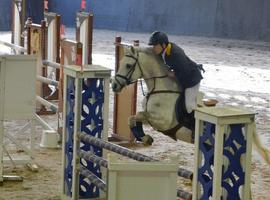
(158, 37)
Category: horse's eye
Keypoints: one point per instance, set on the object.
(129, 66)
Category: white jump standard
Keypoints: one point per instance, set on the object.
(17, 105)
(223, 146)
(86, 102)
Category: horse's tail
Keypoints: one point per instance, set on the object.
(260, 147)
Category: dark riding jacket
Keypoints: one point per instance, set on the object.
(187, 72)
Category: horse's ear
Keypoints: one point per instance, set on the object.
(132, 50)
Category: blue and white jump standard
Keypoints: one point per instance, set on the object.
(223, 145)
(86, 102)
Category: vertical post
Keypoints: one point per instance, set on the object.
(76, 141)
(44, 87)
(134, 94)
(64, 191)
(2, 102)
(218, 161)
(79, 55)
(57, 36)
(46, 5)
(32, 138)
(28, 27)
(249, 129)
(84, 34)
(196, 188)
(43, 40)
(90, 37)
(18, 19)
(58, 48)
(52, 53)
(117, 60)
(1, 147)
(121, 130)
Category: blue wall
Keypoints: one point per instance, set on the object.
(248, 19)
(5, 15)
(242, 19)
(34, 9)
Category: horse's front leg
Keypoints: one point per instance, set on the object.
(135, 124)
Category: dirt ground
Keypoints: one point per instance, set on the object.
(237, 73)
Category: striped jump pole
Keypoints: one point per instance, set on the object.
(18, 48)
(51, 64)
(48, 81)
(127, 152)
(46, 103)
(93, 178)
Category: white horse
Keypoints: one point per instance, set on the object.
(163, 92)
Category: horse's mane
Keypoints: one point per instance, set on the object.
(149, 51)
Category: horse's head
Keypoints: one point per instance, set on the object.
(129, 69)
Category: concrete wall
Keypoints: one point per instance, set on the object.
(242, 19)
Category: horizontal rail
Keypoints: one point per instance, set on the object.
(51, 64)
(14, 46)
(44, 124)
(93, 178)
(184, 195)
(127, 152)
(89, 156)
(48, 81)
(33, 25)
(46, 103)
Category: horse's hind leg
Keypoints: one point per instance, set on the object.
(135, 124)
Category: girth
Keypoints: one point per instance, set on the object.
(171, 132)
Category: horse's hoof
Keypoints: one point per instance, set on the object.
(147, 140)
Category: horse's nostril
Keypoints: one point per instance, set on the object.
(113, 86)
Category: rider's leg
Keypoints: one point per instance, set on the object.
(191, 103)
(191, 97)
(186, 133)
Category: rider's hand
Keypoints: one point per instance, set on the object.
(171, 74)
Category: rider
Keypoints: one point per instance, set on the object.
(186, 71)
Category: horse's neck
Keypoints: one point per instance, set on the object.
(153, 68)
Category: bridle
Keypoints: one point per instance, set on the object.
(132, 67)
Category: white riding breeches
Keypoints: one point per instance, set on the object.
(190, 97)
